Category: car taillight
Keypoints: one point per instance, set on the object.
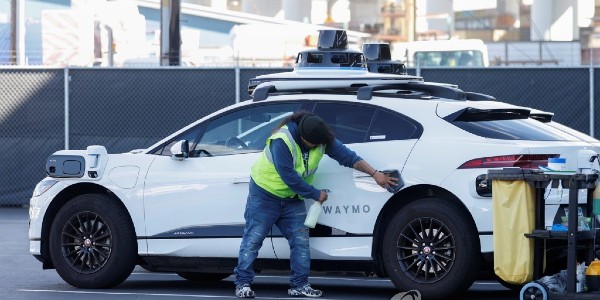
(524, 161)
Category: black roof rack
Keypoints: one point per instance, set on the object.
(436, 90)
(263, 92)
(366, 92)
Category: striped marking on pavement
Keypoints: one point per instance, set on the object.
(147, 294)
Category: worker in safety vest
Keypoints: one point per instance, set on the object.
(280, 178)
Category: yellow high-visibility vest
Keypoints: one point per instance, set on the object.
(265, 175)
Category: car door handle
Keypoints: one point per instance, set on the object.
(241, 180)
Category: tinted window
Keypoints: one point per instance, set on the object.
(388, 126)
(349, 123)
(514, 129)
(190, 135)
(242, 131)
(580, 135)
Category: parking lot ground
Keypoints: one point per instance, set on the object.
(22, 277)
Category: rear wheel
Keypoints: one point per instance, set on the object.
(432, 246)
(193, 276)
(92, 242)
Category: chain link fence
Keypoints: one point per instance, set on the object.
(32, 127)
(564, 91)
(132, 108)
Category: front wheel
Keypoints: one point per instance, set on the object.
(92, 242)
(432, 245)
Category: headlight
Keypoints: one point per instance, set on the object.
(43, 186)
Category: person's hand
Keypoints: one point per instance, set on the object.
(384, 180)
(323, 197)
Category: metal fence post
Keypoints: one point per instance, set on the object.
(237, 82)
(66, 79)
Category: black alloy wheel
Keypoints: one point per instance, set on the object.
(432, 245)
(426, 250)
(92, 242)
(86, 242)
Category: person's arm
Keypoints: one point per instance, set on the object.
(284, 164)
(381, 179)
(348, 158)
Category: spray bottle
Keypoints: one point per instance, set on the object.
(313, 215)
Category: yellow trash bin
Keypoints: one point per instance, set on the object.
(514, 216)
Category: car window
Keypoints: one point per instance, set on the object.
(389, 126)
(242, 131)
(349, 123)
(578, 134)
(514, 129)
(190, 135)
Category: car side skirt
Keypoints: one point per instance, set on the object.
(226, 265)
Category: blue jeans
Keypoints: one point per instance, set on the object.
(288, 215)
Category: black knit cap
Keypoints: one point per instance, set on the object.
(313, 129)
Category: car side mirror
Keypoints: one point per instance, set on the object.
(180, 150)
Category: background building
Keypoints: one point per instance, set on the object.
(98, 32)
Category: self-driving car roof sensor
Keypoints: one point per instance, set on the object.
(332, 51)
(379, 59)
(333, 65)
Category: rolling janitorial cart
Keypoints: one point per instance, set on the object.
(520, 231)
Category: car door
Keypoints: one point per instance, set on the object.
(384, 139)
(195, 206)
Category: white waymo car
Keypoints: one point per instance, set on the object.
(178, 206)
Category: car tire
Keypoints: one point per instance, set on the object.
(203, 277)
(432, 246)
(93, 242)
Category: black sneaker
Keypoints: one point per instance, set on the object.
(244, 291)
(305, 291)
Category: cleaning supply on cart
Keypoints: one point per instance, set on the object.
(580, 274)
(585, 161)
(313, 215)
(596, 200)
(592, 276)
(583, 223)
(557, 164)
(555, 283)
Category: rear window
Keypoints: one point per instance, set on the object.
(508, 125)
(578, 134)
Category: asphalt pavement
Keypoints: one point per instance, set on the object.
(22, 277)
